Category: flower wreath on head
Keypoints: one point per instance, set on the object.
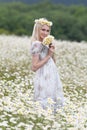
(43, 21)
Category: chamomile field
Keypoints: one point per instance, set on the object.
(18, 111)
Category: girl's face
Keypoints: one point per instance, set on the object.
(44, 31)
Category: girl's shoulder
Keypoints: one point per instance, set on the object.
(36, 43)
(36, 47)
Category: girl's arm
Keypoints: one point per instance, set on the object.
(53, 57)
(37, 63)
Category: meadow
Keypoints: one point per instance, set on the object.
(18, 111)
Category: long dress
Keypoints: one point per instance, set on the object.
(47, 83)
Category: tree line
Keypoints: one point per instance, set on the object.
(69, 22)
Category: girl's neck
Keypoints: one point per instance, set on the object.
(40, 39)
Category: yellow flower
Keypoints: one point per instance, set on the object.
(49, 111)
(43, 21)
(37, 103)
(50, 101)
(48, 40)
(20, 111)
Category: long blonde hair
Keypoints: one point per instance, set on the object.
(37, 26)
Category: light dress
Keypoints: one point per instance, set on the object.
(47, 83)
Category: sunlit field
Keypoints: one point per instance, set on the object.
(17, 109)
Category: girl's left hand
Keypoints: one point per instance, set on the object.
(51, 50)
(52, 46)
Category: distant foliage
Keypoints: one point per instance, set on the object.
(69, 22)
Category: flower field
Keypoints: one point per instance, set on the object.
(17, 109)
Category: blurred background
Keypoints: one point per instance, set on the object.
(69, 17)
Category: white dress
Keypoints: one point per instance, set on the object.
(47, 82)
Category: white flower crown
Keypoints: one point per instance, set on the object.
(43, 21)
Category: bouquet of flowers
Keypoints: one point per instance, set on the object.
(48, 40)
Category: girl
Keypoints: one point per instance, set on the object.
(47, 84)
